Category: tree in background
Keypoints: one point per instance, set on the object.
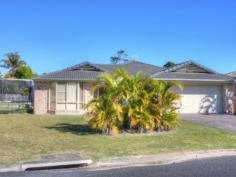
(17, 67)
(169, 64)
(1, 75)
(12, 62)
(121, 56)
(24, 72)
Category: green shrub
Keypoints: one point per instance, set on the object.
(134, 103)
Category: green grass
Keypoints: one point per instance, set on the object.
(25, 137)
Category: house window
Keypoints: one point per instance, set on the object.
(61, 93)
(61, 96)
(69, 96)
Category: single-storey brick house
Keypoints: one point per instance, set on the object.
(68, 90)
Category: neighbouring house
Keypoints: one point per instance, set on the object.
(232, 74)
(68, 90)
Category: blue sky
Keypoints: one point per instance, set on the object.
(52, 34)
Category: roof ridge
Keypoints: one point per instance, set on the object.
(130, 61)
(104, 64)
(64, 69)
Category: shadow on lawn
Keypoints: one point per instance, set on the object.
(78, 129)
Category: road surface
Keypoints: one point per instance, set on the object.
(212, 167)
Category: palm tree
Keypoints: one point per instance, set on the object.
(164, 104)
(133, 102)
(136, 97)
(12, 62)
(121, 56)
(106, 112)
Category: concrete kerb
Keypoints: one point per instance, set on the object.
(10, 168)
(118, 162)
(161, 159)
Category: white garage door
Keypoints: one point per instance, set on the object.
(201, 99)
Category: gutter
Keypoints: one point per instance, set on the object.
(197, 80)
(59, 79)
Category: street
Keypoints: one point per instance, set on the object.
(216, 167)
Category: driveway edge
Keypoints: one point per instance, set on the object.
(161, 159)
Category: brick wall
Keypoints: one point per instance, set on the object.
(41, 94)
(88, 92)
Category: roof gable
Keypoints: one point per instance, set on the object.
(190, 71)
(191, 68)
(85, 66)
(188, 67)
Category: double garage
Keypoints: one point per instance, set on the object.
(201, 99)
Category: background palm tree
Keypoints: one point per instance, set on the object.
(12, 62)
(121, 56)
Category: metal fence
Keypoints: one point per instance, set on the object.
(15, 107)
(16, 95)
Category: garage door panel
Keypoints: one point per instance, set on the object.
(201, 99)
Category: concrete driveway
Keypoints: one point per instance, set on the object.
(226, 122)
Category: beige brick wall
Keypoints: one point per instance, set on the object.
(41, 93)
(88, 92)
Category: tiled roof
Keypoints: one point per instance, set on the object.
(89, 72)
(134, 67)
(79, 72)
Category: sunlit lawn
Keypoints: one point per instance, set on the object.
(26, 137)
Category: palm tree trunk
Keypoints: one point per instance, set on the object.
(141, 129)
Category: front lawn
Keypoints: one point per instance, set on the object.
(25, 137)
